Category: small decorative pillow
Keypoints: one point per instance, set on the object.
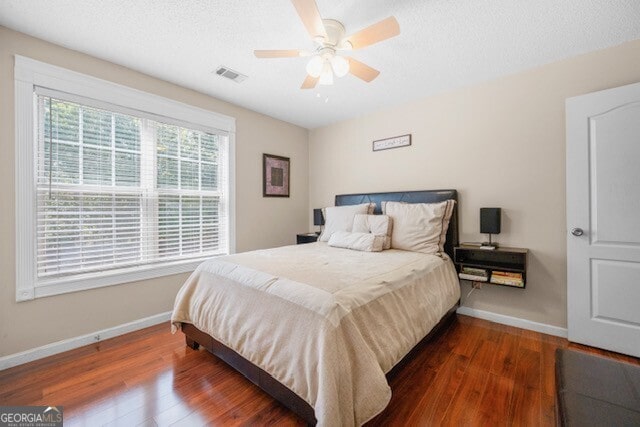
(358, 241)
(419, 227)
(340, 218)
(380, 225)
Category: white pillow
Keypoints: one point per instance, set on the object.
(358, 241)
(340, 218)
(380, 225)
(419, 227)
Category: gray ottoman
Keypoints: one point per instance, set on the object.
(595, 391)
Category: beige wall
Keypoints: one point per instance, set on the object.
(501, 143)
(31, 324)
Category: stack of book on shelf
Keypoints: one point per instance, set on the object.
(475, 274)
(507, 278)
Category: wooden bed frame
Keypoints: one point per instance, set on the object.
(196, 338)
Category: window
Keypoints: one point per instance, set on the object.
(118, 193)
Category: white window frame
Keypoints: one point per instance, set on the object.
(30, 74)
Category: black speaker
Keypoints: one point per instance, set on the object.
(318, 218)
(490, 219)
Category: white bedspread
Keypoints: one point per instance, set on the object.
(326, 322)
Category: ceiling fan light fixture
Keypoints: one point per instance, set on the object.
(315, 66)
(329, 35)
(326, 77)
(340, 65)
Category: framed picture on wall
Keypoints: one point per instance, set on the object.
(393, 142)
(275, 175)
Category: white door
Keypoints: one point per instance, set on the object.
(603, 219)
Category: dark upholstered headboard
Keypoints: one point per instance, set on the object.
(426, 196)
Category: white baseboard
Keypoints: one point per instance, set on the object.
(71, 343)
(514, 321)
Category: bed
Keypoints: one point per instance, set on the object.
(319, 327)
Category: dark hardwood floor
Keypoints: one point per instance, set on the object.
(474, 373)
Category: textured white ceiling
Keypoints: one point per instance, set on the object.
(444, 44)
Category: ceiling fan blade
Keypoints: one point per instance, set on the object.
(375, 33)
(310, 82)
(277, 53)
(310, 16)
(362, 71)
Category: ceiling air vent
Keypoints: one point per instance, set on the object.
(231, 74)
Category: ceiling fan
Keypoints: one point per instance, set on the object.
(329, 34)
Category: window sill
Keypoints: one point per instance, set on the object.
(116, 277)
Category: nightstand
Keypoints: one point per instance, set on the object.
(501, 262)
(306, 238)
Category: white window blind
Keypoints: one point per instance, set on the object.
(120, 189)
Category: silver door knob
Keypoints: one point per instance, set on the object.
(577, 231)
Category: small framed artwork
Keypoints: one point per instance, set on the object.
(275, 176)
(393, 142)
